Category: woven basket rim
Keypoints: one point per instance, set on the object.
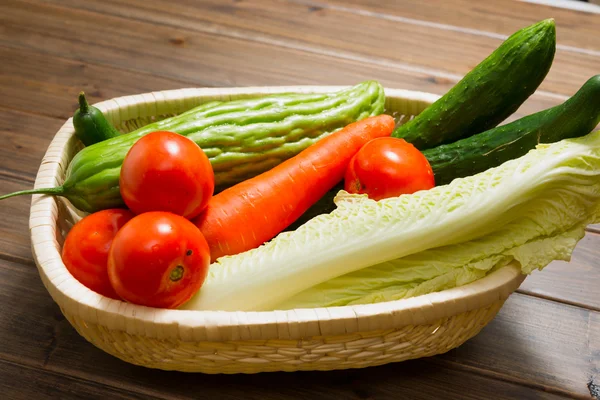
(191, 325)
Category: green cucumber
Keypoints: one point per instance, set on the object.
(488, 94)
(577, 116)
(90, 124)
(242, 138)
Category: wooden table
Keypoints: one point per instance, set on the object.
(545, 343)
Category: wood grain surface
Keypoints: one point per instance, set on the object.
(545, 342)
(332, 31)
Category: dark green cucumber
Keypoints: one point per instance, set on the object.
(576, 117)
(488, 94)
(90, 124)
(242, 138)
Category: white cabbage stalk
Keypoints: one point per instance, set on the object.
(362, 233)
(439, 269)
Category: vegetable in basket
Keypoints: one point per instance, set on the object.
(242, 138)
(489, 93)
(85, 250)
(164, 171)
(90, 124)
(575, 117)
(553, 190)
(388, 167)
(250, 213)
(437, 269)
(158, 259)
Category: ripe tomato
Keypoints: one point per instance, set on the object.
(164, 171)
(85, 251)
(388, 167)
(158, 259)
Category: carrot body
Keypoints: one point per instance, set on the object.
(254, 211)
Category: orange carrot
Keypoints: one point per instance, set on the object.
(254, 211)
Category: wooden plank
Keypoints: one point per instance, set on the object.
(48, 85)
(333, 32)
(539, 341)
(56, 347)
(575, 29)
(579, 5)
(594, 343)
(200, 59)
(14, 221)
(20, 382)
(25, 138)
(594, 228)
(575, 282)
(53, 90)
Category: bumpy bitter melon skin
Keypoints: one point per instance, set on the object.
(575, 117)
(242, 138)
(490, 93)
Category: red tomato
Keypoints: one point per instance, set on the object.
(85, 251)
(164, 171)
(158, 259)
(388, 167)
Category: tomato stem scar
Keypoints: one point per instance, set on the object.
(176, 274)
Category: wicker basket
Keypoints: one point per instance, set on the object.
(249, 342)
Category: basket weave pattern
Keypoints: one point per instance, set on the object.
(361, 349)
(249, 342)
